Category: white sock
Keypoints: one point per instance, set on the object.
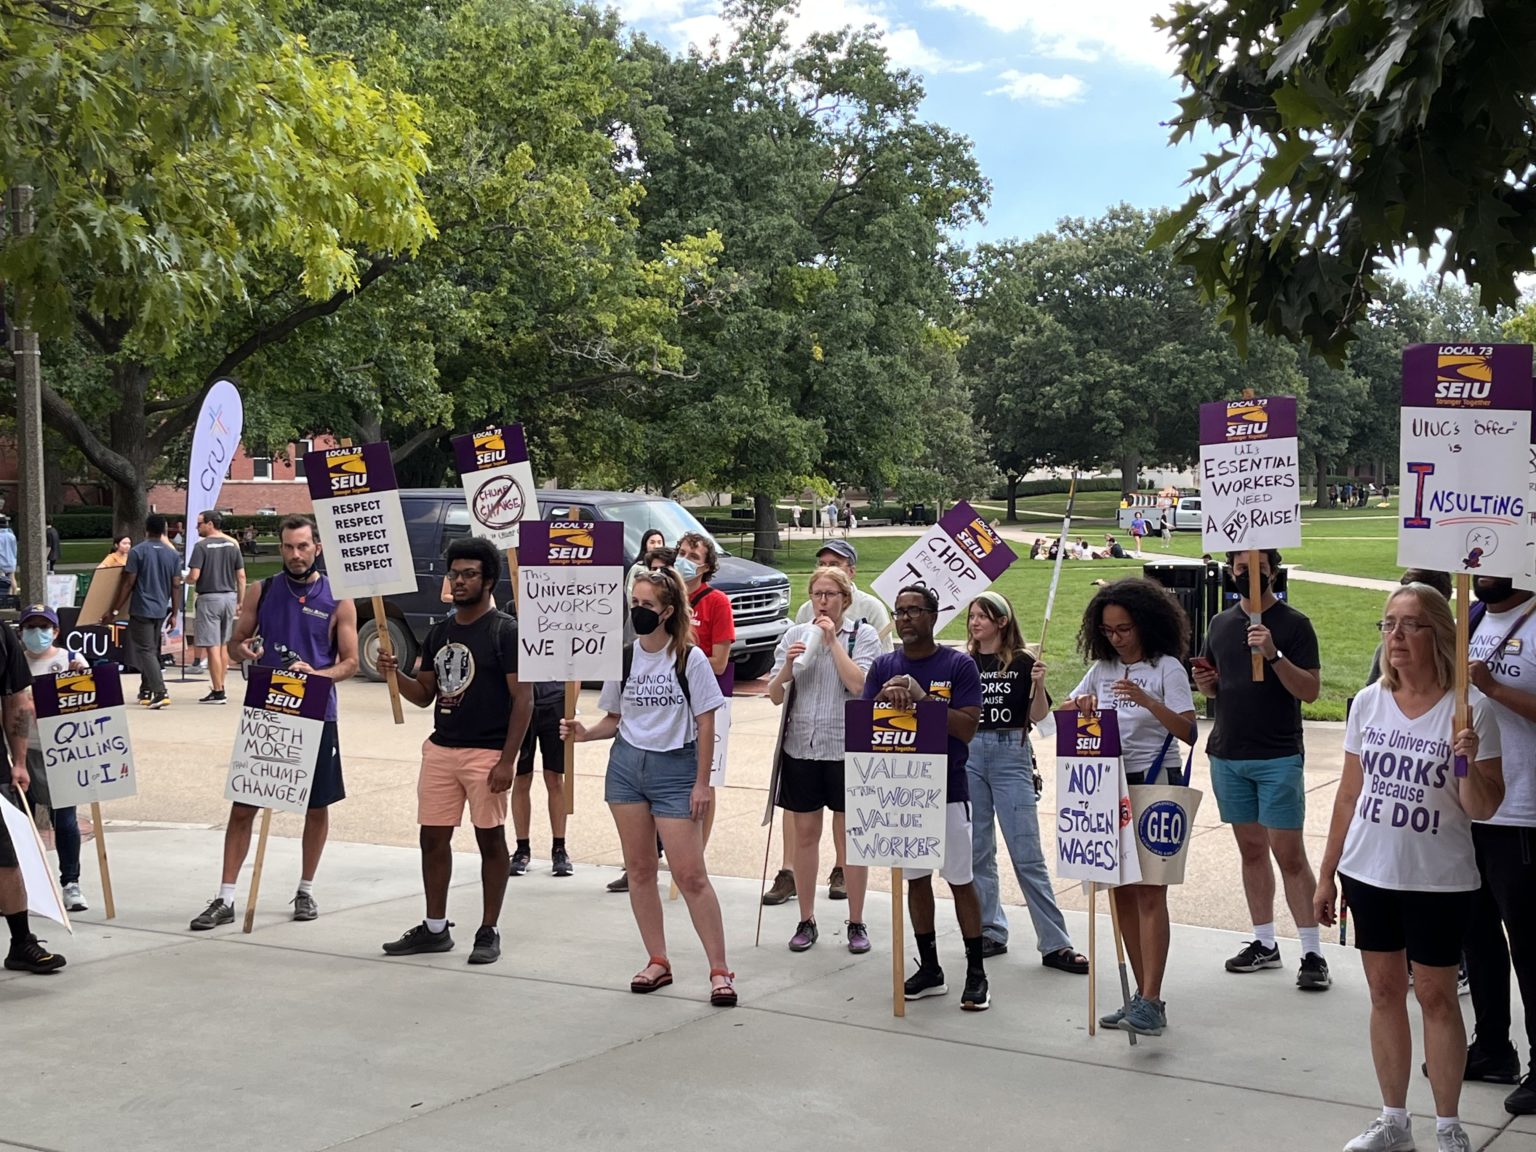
(1311, 940)
(227, 894)
(307, 887)
(437, 925)
(1398, 1114)
(1444, 1122)
(1265, 934)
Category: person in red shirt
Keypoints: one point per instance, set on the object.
(714, 625)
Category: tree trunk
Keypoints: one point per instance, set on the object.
(1013, 499)
(127, 435)
(765, 539)
(1321, 497)
(1130, 468)
(53, 476)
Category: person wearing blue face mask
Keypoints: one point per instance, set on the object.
(39, 633)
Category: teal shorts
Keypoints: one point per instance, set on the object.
(1268, 792)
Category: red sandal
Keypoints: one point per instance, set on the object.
(724, 995)
(643, 983)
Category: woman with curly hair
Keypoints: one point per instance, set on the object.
(1136, 636)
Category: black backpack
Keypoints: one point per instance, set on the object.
(679, 669)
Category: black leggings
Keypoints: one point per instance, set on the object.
(1504, 905)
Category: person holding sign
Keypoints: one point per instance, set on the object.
(296, 624)
(1005, 786)
(1400, 844)
(150, 590)
(1256, 752)
(661, 718)
(826, 660)
(922, 670)
(1136, 636)
(480, 713)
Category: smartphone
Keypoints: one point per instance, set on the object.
(1203, 664)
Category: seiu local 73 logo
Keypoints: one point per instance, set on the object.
(893, 728)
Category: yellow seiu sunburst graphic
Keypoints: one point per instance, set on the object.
(982, 536)
(288, 684)
(1088, 724)
(1463, 368)
(894, 720)
(490, 442)
(76, 683)
(571, 535)
(345, 462)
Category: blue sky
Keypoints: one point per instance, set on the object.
(1064, 100)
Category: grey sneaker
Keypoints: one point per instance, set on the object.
(74, 901)
(304, 906)
(1112, 1019)
(519, 864)
(487, 946)
(1144, 1017)
(1452, 1139)
(1384, 1134)
(561, 860)
(213, 916)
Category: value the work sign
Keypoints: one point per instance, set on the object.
(895, 771)
(278, 744)
(357, 506)
(571, 595)
(958, 557)
(83, 726)
(498, 483)
(1249, 483)
(1466, 435)
(1094, 837)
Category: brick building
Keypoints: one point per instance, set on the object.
(255, 484)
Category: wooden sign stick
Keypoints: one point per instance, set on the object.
(572, 690)
(1256, 616)
(1463, 711)
(1125, 984)
(1093, 958)
(261, 858)
(898, 946)
(101, 860)
(387, 646)
(762, 888)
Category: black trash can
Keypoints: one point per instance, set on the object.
(1196, 587)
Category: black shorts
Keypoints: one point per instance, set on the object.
(7, 849)
(543, 735)
(810, 785)
(328, 787)
(1429, 926)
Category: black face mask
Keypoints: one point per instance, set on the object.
(646, 620)
(1493, 591)
(1240, 581)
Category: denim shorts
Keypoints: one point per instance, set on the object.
(664, 780)
(1271, 793)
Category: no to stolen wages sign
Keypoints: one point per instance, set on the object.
(278, 743)
(83, 726)
(958, 557)
(1094, 838)
(571, 597)
(1466, 439)
(498, 483)
(895, 770)
(357, 507)
(1249, 483)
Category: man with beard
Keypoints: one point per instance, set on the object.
(296, 624)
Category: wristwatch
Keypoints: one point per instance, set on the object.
(1276, 658)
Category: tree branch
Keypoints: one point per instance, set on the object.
(398, 453)
(61, 416)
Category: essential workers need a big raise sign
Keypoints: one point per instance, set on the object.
(1249, 485)
(498, 483)
(957, 558)
(895, 766)
(357, 507)
(278, 743)
(571, 599)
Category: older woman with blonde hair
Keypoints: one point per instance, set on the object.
(1400, 844)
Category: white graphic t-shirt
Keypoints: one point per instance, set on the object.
(1513, 664)
(653, 712)
(1142, 735)
(1409, 830)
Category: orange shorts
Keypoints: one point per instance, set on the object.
(450, 776)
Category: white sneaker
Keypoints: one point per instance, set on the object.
(1453, 1139)
(1384, 1134)
(73, 900)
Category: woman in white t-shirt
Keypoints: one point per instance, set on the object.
(1137, 636)
(661, 717)
(1401, 844)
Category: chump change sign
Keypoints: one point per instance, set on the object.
(1466, 435)
(498, 483)
(958, 557)
(571, 596)
(278, 744)
(1249, 483)
(1094, 838)
(895, 767)
(83, 726)
(357, 507)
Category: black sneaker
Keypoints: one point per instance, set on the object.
(304, 906)
(158, 700)
(32, 957)
(1313, 975)
(217, 913)
(1253, 957)
(1522, 1101)
(976, 997)
(621, 884)
(420, 939)
(519, 864)
(1502, 1067)
(991, 948)
(214, 698)
(925, 982)
(562, 862)
(487, 946)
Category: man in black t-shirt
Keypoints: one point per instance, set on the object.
(468, 673)
(1256, 757)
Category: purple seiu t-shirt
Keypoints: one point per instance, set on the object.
(949, 676)
(298, 616)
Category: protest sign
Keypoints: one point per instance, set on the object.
(215, 437)
(357, 507)
(1094, 838)
(957, 558)
(281, 725)
(571, 601)
(722, 745)
(498, 483)
(1249, 484)
(98, 643)
(43, 895)
(1466, 437)
(83, 726)
(895, 767)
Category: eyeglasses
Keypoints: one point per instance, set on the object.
(1406, 627)
(835, 594)
(913, 613)
(464, 575)
(1110, 631)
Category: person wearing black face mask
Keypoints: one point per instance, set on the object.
(1256, 751)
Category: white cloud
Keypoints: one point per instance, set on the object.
(1085, 30)
(1038, 88)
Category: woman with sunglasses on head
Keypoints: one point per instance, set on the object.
(1401, 847)
(1005, 785)
(661, 717)
(826, 660)
(1136, 635)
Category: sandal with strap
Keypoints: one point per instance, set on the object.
(643, 983)
(1066, 960)
(722, 995)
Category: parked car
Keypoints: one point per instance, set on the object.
(1183, 516)
(436, 516)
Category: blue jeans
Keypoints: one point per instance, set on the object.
(1002, 785)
